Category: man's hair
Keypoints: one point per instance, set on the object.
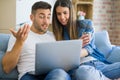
(40, 5)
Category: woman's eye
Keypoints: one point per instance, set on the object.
(65, 12)
(58, 13)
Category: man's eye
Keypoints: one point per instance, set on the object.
(48, 17)
(41, 17)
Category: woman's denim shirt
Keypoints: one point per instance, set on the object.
(86, 26)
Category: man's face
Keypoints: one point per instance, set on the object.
(41, 20)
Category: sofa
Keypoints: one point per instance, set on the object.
(3, 46)
(111, 52)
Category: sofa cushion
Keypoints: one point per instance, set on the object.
(114, 55)
(4, 38)
(102, 42)
(3, 75)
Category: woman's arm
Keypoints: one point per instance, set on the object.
(85, 26)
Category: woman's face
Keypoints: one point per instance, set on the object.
(62, 14)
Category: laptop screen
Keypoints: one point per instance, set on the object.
(59, 54)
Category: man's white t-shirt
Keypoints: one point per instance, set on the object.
(27, 58)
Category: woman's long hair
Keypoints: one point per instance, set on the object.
(71, 25)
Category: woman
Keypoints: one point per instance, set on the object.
(66, 27)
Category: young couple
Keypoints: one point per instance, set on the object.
(21, 46)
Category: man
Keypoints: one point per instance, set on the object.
(21, 47)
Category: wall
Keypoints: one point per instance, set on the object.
(15, 12)
(106, 15)
(114, 30)
(23, 10)
(102, 14)
(7, 15)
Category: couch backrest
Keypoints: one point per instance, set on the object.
(102, 42)
(4, 38)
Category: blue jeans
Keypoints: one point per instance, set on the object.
(56, 74)
(111, 71)
(86, 72)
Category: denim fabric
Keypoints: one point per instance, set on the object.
(94, 70)
(111, 71)
(86, 26)
(56, 74)
(86, 72)
(114, 55)
(31, 77)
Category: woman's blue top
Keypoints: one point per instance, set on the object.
(86, 26)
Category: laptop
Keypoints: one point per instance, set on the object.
(60, 54)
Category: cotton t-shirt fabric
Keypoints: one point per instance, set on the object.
(27, 58)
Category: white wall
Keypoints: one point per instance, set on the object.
(23, 10)
(15, 12)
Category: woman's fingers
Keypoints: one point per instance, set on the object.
(86, 39)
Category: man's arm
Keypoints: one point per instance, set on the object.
(11, 58)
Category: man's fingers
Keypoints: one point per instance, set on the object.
(26, 29)
(13, 32)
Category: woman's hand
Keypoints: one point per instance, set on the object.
(86, 39)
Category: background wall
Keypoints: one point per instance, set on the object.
(13, 13)
(7, 15)
(23, 10)
(114, 30)
(106, 15)
(102, 14)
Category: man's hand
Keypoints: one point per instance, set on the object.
(11, 58)
(22, 33)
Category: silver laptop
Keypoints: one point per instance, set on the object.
(59, 54)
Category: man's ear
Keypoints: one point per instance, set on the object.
(31, 17)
